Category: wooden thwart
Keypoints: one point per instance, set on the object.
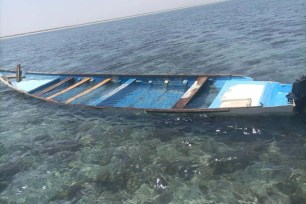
(190, 93)
(86, 79)
(50, 88)
(105, 81)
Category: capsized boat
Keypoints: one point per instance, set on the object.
(162, 93)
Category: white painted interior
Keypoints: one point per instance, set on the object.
(29, 85)
(242, 95)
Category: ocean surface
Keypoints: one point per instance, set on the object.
(57, 154)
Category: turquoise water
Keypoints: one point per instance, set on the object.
(56, 154)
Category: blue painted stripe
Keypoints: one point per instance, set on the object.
(111, 93)
(145, 95)
(275, 94)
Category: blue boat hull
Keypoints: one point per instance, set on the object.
(156, 93)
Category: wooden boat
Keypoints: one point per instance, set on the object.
(157, 93)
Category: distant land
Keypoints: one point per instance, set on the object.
(106, 20)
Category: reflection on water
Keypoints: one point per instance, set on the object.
(53, 153)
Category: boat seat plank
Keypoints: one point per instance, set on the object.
(50, 88)
(86, 79)
(113, 92)
(190, 93)
(234, 103)
(105, 81)
(235, 93)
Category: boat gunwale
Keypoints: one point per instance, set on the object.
(123, 75)
(151, 110)
(7, 83)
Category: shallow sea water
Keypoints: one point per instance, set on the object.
(57, 154)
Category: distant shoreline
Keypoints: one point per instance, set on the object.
(106, 20)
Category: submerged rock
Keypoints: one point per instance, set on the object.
(188, 172)
(165, 134)
(113, 181)
(298, 198)
(238, 160)
(3, 186)
(104, 177)
(288, 187)
(9, 169)
(3, 149)
(58, 146)
(184, 169)
(69, 193)
(165, 197)
(229, 164)
(96, 156)
(42, 138)
(204, 188)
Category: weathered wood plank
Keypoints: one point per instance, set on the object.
(86, 79)
(190, 93)
(105, 81)
(50, 88)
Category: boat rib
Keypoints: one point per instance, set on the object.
(86, 79)
(88, 90)
(50, 88)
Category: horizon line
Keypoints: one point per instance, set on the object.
(106, 20)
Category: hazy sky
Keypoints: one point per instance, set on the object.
(21, 16)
